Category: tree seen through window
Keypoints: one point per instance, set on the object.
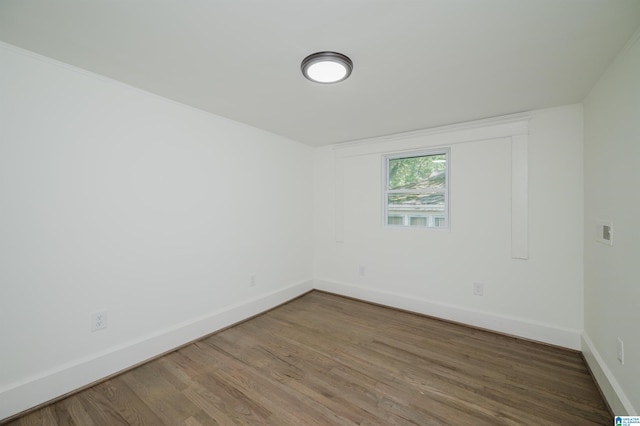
(416, 189)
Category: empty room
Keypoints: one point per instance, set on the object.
(316, 213)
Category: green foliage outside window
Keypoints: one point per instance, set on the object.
(416, 190)
(417, 172)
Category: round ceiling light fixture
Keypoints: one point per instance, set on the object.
(326, 67)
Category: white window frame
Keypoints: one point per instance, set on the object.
(386, 191)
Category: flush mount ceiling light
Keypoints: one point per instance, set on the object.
(326, 67)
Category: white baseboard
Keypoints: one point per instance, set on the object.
(67, 378)
(537, 331)
(613, 393)
(35, 391)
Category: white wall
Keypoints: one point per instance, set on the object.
(112, 198)
(433, 271)
(612, 273)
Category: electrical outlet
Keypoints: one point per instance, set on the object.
(604, 233)
(98, 320)
(252, 280)
(620, 351)
(478, 289)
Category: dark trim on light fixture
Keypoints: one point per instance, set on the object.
(332, 57)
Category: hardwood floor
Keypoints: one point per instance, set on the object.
(327, 360)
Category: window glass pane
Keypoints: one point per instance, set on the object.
(418, 221)
(396, 220)
(416, 190)
(427, 171)
(416, 204)
(420, 202)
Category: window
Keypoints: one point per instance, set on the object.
(416, 192)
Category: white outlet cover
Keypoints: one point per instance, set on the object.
(478, 289)
(620, 351)
(98, 320)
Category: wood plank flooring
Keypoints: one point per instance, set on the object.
(327, 360)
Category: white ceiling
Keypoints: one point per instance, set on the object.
(417, 63)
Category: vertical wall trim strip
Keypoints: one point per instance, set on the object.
(520, 197)
(339, 201)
